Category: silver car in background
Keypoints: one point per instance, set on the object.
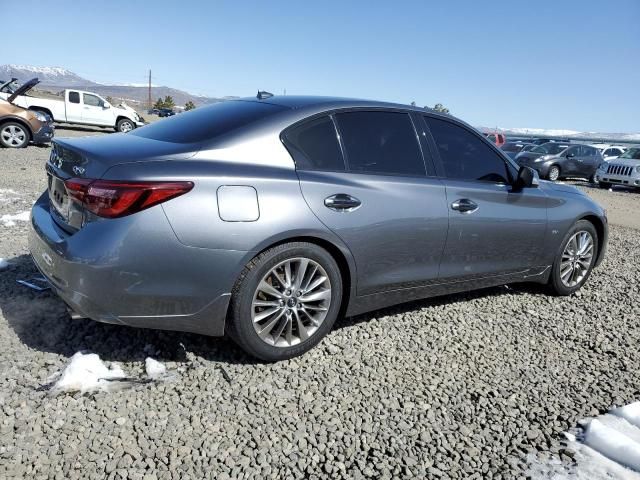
(623, 170)
(268, 218)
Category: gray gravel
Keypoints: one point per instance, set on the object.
(465, 386)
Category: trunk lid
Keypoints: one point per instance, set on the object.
(91, 157)
(22, 89)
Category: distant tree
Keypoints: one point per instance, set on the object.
(438, 107)
(413, 104)
(168, 102)
(159, 104)
(189, 106)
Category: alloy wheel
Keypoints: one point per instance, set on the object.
(291, 302)
(126, 127)
(576, 259)
(13, 135)
(554, 173)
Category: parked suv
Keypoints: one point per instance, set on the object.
(624, 170)
(267, 218)
(557, 160)
(19, 126)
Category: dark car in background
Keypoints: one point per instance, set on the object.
(554, 160)
(514, 148)
(165, 112)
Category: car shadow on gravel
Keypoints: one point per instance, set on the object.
(41, 321)
(60, 128)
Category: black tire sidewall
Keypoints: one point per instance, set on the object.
(240, 325)
(23, 128)
(556, 282)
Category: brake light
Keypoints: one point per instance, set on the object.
(112, 199)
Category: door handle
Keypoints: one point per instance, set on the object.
(341, 202)
(464, 205)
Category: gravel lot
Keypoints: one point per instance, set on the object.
(466, 386)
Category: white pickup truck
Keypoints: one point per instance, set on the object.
(81, 108)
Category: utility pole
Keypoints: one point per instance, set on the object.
(150, 90)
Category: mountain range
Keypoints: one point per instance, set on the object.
(54, 79)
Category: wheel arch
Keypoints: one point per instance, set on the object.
(339, 252)
(124, 117)
(601, 230)
(21, 121)
(42, 110)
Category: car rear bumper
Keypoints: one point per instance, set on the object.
(133, 271)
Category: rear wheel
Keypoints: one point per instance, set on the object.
(14, 135)
(575, 260)
(125, 125)
(285, 301)
(554, 173)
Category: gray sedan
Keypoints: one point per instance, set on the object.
(268, 218)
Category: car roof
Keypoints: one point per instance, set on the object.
(327, 103)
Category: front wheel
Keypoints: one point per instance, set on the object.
(575, 260)
(554, 173)
(125, 125)
(285, 301)
(14, 135)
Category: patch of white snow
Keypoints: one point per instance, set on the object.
(10, 220)
(155, 370)
(87, 373)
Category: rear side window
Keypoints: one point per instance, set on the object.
(91, 100)
(314, 145)
(576, 150)
(207, 123)
(74, 97)
(380, 142)
(464, 155)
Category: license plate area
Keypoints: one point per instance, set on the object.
(58, 197)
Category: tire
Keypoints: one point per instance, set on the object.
(554, 173)
(14, 135)
(125, 125)
(558, 280)
(605, 185)
(285, 339)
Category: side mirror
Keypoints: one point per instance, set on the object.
(527, 178)
(105, 105)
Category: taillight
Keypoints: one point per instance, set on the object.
(112, 199)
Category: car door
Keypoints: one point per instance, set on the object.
(370, 186)
(591, 159)
(571, 163)
(73, 107)
(94, 111)
(493, 228)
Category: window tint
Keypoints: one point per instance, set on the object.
(206, 123)
(576, 150)
(588, 151)
(380, 142)
(74, 97)
(464, 155)
(314, 145)
(91, 100)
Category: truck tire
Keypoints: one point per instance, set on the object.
(125, 125)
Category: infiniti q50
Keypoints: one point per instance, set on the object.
(268, 218)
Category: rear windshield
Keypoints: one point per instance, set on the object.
(205, 123)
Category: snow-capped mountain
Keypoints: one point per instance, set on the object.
(48, 76)
(55, 79)
(568, 134)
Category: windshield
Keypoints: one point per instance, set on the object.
(206, 123)
(552, 148)
(632, 153)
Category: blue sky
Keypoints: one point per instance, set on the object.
(546, 64)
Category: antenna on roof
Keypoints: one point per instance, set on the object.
(262, 95)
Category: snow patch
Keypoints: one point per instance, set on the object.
(10, 220)
(87, 373)
(607, 447)
(155, 370)
(43, 70)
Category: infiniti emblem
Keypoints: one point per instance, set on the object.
(78, 170)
